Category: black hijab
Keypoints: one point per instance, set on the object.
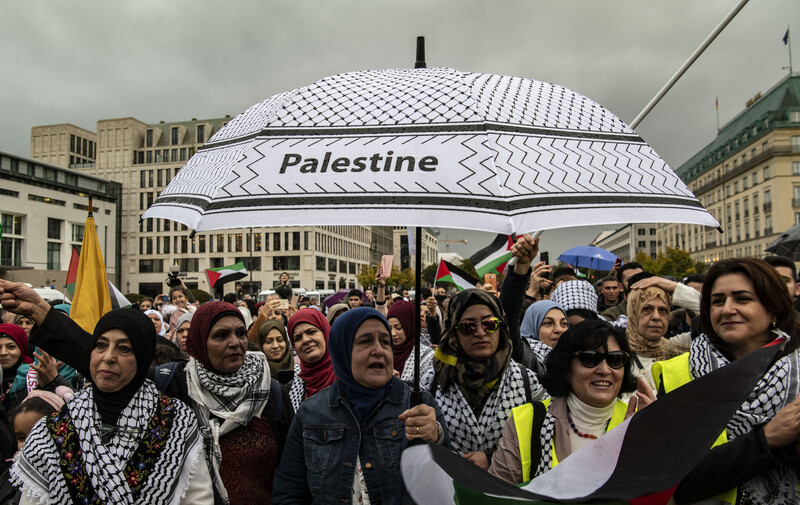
(140, 331)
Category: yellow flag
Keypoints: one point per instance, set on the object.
(91, 299)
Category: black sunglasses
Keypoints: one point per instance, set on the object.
(591, 359)
(469, 327)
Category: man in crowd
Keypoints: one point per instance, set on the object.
(146, 304)
(283, 287)
(787, 271)
(354, 298)
(370, 296)
(609, 293)
(626, 271)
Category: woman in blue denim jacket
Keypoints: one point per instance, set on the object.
(345, 443)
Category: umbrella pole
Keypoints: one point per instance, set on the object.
(416, 393)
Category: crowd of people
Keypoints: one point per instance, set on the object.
(294, 401)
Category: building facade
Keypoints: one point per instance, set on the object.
(406, 258)
(748, 178)
(144, 158)
(65, 145)
(43, 210)
(630, 240)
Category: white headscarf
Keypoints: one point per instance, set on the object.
(163, 330)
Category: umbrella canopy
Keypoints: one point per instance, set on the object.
(585, 256)
(447, 148)
(787, 244)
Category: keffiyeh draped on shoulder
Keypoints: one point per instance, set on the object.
(775, 390)
(144, 461)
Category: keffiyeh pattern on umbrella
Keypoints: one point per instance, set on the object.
(459, 140)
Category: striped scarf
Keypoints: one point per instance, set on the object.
(226, 402)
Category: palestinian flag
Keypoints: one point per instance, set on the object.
(640, 462)
(222, 275)
(72, 272)
(492, 259)
(447, 272)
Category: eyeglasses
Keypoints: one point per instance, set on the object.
(591, 359)
(469, 327)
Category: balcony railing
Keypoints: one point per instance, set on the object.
(767, 206)
(795, 202)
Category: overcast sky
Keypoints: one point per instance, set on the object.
(77, 62)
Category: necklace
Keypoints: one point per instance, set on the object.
(582, 435)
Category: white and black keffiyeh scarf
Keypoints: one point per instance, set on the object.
(425, 364)
(469, 434)
(36, 468)
(775, 390)
(297, 389)
(547, 435)
(539, 348)
(233, 400)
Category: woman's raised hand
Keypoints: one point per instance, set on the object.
(644, 396)
(46, 369)
(18, 298)
(421, 423)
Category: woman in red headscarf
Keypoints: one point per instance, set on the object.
(401, 317)
(308, 332)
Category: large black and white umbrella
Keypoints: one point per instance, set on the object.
(445, 148)
(426, 147)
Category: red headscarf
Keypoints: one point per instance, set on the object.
(202, 321)
(404, 312)
(317, 375)
(17, 334)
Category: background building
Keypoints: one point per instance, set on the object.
(144, 158)
(748, 178)
(630, 240)
(405, 258)
(43, 209)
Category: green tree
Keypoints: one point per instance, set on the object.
(429, 274)
(401, 279)
(367, 276)
(675, 262)
(134, 298)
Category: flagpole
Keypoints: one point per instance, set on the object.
(688, 63)
(416, 393)
(789, 43)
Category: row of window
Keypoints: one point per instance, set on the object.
(158, 177)
(81, 146)
(52, 174)
(162, 155)
(175, 136)
(243, 242)
(279, 263)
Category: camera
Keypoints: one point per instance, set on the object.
(173, 277)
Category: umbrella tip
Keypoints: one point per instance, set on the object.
(420, 63)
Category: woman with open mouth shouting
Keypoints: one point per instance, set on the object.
(587, 371)
(345, 442)
(308, 332)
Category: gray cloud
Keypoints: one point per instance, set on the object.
(156, 60)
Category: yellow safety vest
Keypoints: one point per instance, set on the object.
(675, 373)
(523, 422)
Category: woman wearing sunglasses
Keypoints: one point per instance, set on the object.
(743, 306)
(473, 378)
(587, 371)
